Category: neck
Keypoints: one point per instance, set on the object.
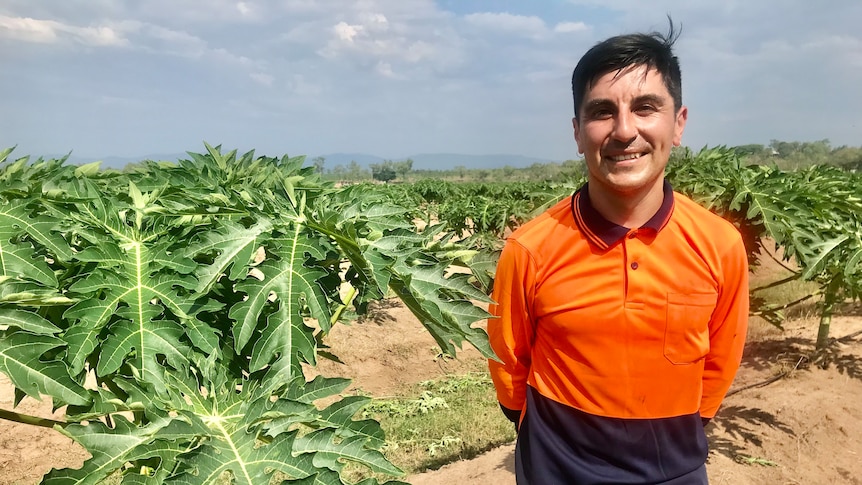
(630, 209)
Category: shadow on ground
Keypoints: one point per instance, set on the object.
(740, 425)
(378, 312)
(783, 356)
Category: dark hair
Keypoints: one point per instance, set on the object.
(624, 52)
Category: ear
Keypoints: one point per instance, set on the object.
(577, 128)
(679, 125)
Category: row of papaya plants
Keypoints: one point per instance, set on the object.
(191, 293)
(812, 216)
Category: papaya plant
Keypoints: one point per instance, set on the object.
(812, 215)
(171, 308)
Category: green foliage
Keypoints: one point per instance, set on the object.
(404, 167)
(478, 214)
(793, 155)
(384, 171)
(423, 404)
(437, 421)
(813, 215)
(193, 293)
(319, 163)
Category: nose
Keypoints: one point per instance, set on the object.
(624, 127)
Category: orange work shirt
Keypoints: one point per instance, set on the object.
(637, 323)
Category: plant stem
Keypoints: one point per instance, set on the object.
(794, 276)
(31, 420)
(341, 308)
(829, 300)
(795, 302)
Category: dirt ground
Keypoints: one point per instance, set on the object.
(803, 428)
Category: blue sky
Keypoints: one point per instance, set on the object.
(396, 78)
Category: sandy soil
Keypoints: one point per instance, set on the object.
(803, 428)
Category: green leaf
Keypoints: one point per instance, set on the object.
(330, 451)
(27, 321)
(821, 252)
(88, 169)
(111, 448)
(293, 285)
(228, 422)
(125, 287)
(440, 305)
(319, 388)
(143, 342)
(138, 199)
(18, 257)
(21, 360)
(235, 247)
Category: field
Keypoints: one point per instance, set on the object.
(805, 428)
(180, 311)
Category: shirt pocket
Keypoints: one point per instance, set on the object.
(686, 336)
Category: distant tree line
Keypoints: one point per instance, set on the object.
(790, 155)
(385, 171)
(783, 154)
(402, 171)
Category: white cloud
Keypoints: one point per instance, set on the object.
(163, 40)
(374, 21)
(385, 69)
(346, 32)
(372, 42)
(262, 78)
(506, 22)
(569, 27)
(49, 31)
(840, 48)
(28, 30)
(202, 12)
(418, 51)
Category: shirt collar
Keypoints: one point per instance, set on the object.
(604, 233)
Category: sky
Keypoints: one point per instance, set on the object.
(395, 78)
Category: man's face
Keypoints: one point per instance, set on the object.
(626, 128)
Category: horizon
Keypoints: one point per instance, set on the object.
(445, 161)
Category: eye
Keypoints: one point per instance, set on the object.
(601, 114)
(645, 109)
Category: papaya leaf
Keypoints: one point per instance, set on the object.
(21, 360)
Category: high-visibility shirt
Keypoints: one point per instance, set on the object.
(622, 338)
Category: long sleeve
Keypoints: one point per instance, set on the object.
(511, 329)
(727, 330)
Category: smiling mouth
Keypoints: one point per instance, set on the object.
(623, 158)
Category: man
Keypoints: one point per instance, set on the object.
(623, 309)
